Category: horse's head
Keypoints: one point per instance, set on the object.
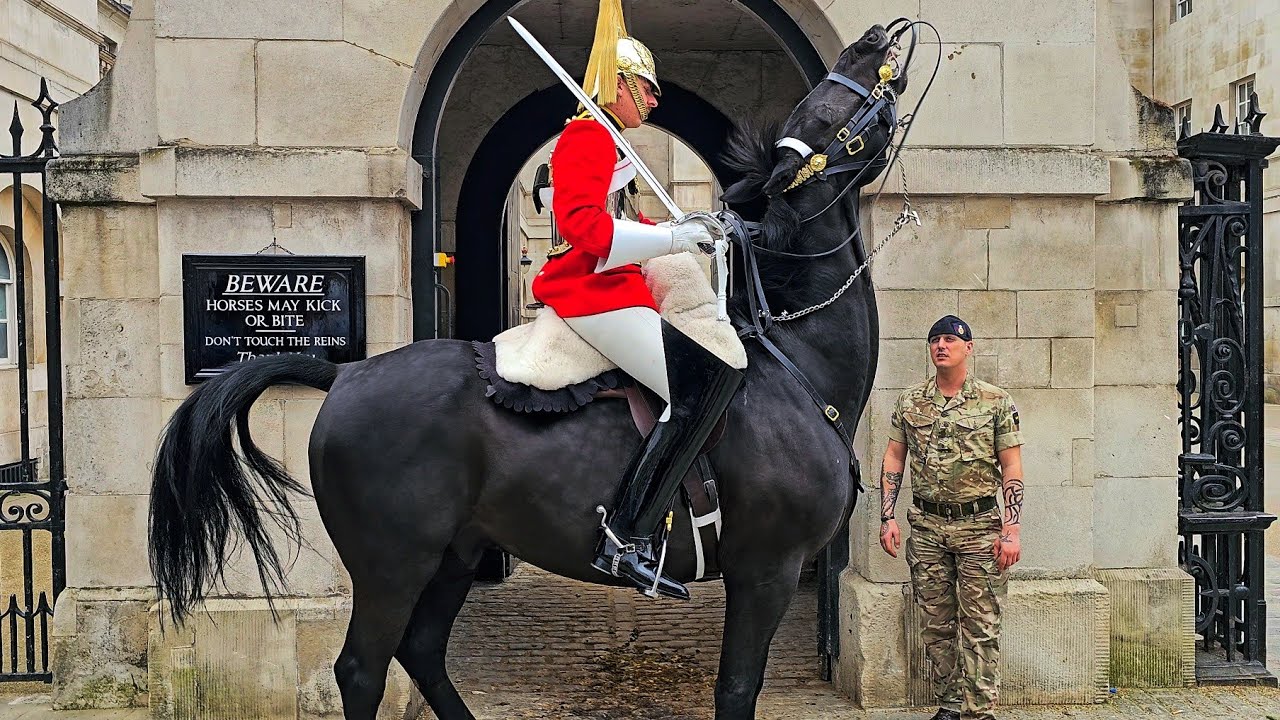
(842, 125)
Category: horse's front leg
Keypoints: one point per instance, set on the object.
(757, 595)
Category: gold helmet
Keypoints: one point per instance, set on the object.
(615, 53)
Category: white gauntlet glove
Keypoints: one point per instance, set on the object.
(692, 236)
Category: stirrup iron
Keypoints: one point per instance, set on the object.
(662, 558)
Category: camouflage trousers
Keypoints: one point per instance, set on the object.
(960, 590)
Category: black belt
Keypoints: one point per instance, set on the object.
(954, 511)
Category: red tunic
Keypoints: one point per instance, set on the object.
(582, 165)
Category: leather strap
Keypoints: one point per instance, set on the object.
(760, 322)
(955, 511)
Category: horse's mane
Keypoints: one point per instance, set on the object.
(750, 150)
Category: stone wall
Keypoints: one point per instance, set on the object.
(1049, 224)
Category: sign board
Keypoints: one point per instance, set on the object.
(238, 307)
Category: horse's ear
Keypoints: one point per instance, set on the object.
(745, 190)
(783, 173)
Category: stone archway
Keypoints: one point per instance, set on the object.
(803, 48)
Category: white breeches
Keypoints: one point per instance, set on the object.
(632, 339)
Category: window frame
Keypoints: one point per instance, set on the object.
(1182, 8)
(1178, 114)
(1240, 107)
(9, 323)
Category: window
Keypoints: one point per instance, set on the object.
(1181, 8)
(8, 309)
(1182, 113)
(1240, 93)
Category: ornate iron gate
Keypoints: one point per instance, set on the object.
(32, 546)
(1220, 515)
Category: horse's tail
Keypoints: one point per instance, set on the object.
(201, 492)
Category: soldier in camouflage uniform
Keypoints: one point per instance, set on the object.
(963, 438)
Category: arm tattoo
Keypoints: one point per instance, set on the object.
(1012, 501)
(890, 483)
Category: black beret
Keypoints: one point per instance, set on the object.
(951, 325)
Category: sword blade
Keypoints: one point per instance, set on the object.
(641, 169)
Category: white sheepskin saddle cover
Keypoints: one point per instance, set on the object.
(549, 355)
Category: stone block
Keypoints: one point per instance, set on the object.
(910, 313)
(1050, 420)
(116, 350)
(1120, 540)
(902, 363)
(872, 668)
(310, 569)
(207, 226)
(1072, 360)
(1147, 330)
(109, 251)
(942, 253)
(984, 213)
(1141, 437)
(969, 82)
(688, 166)
(1004, 171)
(991, 314)
(1054, 645)
(99, 648)
(1057, 531)
(393, 28)
(1012, 21)
(389, 319)
(317, 20)
(205, 91)
(107, 539)
(355, 102)
(242, 172)
(1055, 313)
(125, 434)
(219, 649)
(299, 416)
(1020, 363)
(1153, 639)
(1062, 117)
(91, 179)
(1149, 179)
(1060, 231)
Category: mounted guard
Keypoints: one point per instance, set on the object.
(592, 279)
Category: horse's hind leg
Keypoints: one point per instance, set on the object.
(422, 651)
(755, 602)
(382, 601)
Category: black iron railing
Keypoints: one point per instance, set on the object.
(32, 520)
(1221, 517)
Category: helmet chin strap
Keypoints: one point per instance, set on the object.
(642, 107)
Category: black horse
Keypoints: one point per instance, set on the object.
(415, 471)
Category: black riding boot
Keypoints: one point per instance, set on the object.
(701, 387)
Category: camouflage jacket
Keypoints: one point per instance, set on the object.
(953, 443)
